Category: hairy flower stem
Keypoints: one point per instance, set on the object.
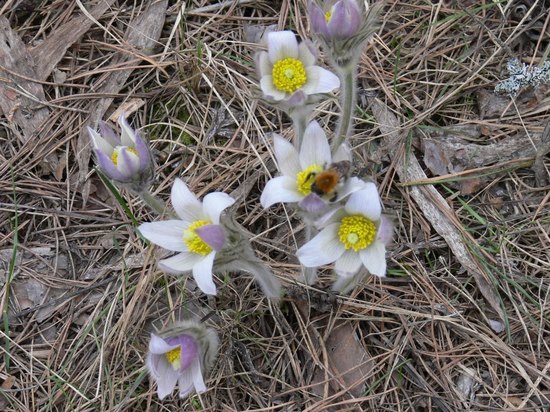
(153, 202)
(348, 100)
(299, 122)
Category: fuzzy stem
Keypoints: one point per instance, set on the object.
(344, 130)
(153, 202)
(299, 120)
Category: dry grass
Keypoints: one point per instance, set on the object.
(80, 289)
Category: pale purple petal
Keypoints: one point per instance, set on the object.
(214, 204)
(198, 379)
(348, 264)
(109, 134)
(159, 346)
(106, 165)
(185, 203)
(280, 189)
(263, 64)
(322, 249)
(166, 379)
(189, 351)
(305, 54)
(143, 153)
(312, 203)
(352, 185)
(288, 161)
(385, 230)
(212, 235)
(127, 136)
(342, 153)
(185, 382)
(320, 80)
(202, 273)
(298, 98)
(365, 202)
(127, 162)
(167, 234)
(345, 20)
(180, 263)
(269, 90)
(282, 44)
(315, 149)
(317, 19)
(100, 143)
(374, 258)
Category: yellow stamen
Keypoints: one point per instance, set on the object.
(193, 241)
(305, 178)
(173, 357)
(356, 232)
(328, 15)
(289, 75)
(114, 155)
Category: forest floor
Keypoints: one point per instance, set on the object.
(461, 322)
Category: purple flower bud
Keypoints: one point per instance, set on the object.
(126, 158)
(344, 20)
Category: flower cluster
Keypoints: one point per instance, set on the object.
(342, 213)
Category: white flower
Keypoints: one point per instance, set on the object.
(197, 236)
(298, 170)
(288, 71)
(354, 235)
(182, 355)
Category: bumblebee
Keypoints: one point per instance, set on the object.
(326, 182)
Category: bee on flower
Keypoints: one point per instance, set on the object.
(311, 177)
(124, 158)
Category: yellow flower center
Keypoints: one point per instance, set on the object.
(305, 179)
(356, 232)
(328, 15)
(289, 75)
(193, 241)
(114, 156)
(173, 357)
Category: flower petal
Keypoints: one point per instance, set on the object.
(385, 230)
(198, 379)
(342, 153)
(280, 189)
(106, 165)
(269, 90)
(166, 379)
(365, 202)
(167, 234)
(320, 80)
(202, 273)
(128, 162)
(100, 143)
(212, 235)
(263, 64)
(374, 258)
(352, 185)
(180, 263)
(288, 161)
(185, 383)
(317, 19)
(127, 136)
(185, 203)
(159, 346)
(306, 53)
(312, 203)
(348, 264)
(109, 134)
(144, 154)
(345, 20)
(315, 149)
(282, 44)
(322, 249)
(214, 204)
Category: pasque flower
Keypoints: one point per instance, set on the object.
(299, 169)
(288, 71)
(124, 158)
(352, 236)
(182, 354)
(197, 236)
(343, 27)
